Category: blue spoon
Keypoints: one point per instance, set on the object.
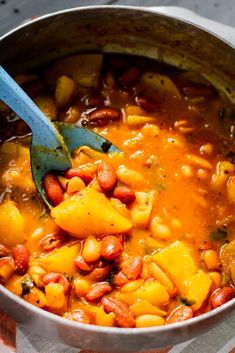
(52, 143)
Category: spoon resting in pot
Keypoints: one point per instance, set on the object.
(52, 143)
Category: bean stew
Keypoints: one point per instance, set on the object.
(134, 239)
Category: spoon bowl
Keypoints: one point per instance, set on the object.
(52, 143)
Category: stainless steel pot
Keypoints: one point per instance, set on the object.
(124, 30)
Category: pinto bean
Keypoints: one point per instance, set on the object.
(120, 279)
(181, 313)
(50, 242)
(132, 267)
(199, 91)
(147, 104)
(222, 296)
(53, 189)
(81, 264)
(4, 251)
(97, 291)
(55, 277)
(79, 315)
(83, 174)
(124, 194)
(21, 258)
(106, 177)
(122, 313)
(109, 80)
(111, 247)
(130, 75)
(102, 116)
(100, 273)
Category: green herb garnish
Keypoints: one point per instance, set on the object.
(27, 284)
(219, 234)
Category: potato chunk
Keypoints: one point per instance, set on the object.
(84, 69)
(59, 260)
(89, 212)
(12, 224)
(177, 261)
(153, 83)
(196, 289)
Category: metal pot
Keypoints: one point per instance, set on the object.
(124, 30)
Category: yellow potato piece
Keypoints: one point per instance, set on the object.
(177, 261)
(60, 260)
(64, 90)
(196, 289)
(144, 307)
(154, 83)
(84, 69)
(12, 224)
(89, 212)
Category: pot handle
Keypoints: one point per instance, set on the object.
(224, 32)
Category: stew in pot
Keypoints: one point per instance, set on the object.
(134, 239)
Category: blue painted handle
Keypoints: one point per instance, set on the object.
(13, 95)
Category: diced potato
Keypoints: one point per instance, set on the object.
(89, 212)
(149, 320)
(47, 106)
(84, 69)
(152, 291)
(64, 90)
(120, 207)
(134, 110)
(177, 261)
(196, 289)
(143, 307)
(60, 260)
(137, 120)
(36, 297)
(153, 83)
(55, 297)
(103, 319)
(12, 224)
(142, 208)
(14, 284)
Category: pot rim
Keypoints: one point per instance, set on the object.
(90, 327)
(152, 9)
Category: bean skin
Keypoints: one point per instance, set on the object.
(86, 176)
(180, 314)
(98, 291)
(21, 257)
(130, 75)
(111, 247)
(53, 189)
(55, 277)
(106, 177)
(124, 194)
(102, 116)
(222, 296)
(50, 242)
(122, 313)
(148, 104)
